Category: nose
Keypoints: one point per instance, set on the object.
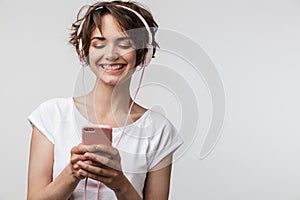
(111, 53)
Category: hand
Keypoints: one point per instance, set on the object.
(105, 166)
(77, 155)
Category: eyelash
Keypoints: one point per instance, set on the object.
(121, 46)
(125, 46)
(99, 47)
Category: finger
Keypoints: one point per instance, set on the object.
(75, 172)
(81, 149)
(77, 167)
(76, 157)
(100, 153)
(88, 162)
(102, 179)
(113, 152)
(97, 164)
(77, 150)
(78, 175)
(98, 171)
(114, 164)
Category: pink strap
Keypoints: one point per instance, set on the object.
(85, 189)
(85, 185)
(99, 186)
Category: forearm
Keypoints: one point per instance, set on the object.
(60, 188)
(127, 192)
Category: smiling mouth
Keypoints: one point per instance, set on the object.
(112, 66)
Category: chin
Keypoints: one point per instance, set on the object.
(111, 81)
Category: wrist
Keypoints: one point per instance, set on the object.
(123, 189)
(126, 191)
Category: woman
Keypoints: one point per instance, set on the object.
(113, 39)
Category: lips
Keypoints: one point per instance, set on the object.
(112, 67)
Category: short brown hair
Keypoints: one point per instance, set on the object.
(126, 19)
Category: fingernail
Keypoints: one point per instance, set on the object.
(87, 155)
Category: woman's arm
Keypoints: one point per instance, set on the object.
(40, 183)
(157, 183)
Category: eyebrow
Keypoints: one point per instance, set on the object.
(103, 38)
(123, 38)
(98, 38)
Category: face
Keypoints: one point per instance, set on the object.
(111, 53)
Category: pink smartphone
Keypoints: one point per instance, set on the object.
(101, 134)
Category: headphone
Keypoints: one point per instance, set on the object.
(149, 46)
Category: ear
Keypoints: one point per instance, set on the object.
(148, 56)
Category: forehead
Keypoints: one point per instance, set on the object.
(110, 28)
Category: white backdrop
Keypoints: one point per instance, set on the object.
(255, 46)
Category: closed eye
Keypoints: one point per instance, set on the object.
(125, 46)
(99, 46)
(98, 42)
(124, 42)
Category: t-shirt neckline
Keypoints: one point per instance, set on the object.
(139, 120)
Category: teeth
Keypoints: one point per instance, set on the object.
(112, 67)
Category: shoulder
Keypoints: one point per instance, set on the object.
(156, 125)
(49, 114)
(159, 119)
(164, 138)
(56, 108)
(56, 102)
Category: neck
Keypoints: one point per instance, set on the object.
(107, 99)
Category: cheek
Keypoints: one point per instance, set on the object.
(94, 56)
(130, 57)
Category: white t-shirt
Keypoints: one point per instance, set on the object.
(145, 143)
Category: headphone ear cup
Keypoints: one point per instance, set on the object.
(148, 56)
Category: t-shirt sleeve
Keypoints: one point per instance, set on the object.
(167, 142)
(41, 118)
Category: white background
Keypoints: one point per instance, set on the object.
(255, 46)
